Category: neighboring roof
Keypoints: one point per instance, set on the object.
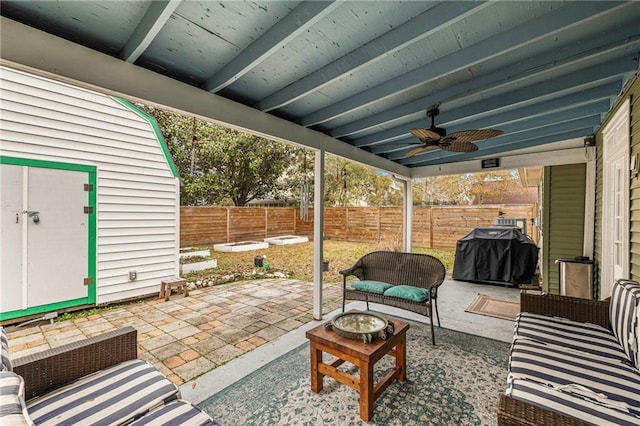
(359, 74)
(517, 194)
(530, 176)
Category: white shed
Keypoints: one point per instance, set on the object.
(90, 199)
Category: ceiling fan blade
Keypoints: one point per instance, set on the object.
(474, 135)
(418, 150)
(457, 146)
(425, 134)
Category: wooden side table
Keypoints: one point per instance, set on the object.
(362, 355)
(169, 283)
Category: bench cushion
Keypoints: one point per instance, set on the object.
(5, 359)
(370, 286)
(624, 311)
(415, 294)
(569, 403)
(571, 335)
(13, 410)
(111, 396)
(177, 412)
(604, 379)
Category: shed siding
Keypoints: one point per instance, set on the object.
(564, 234)
(137, 192)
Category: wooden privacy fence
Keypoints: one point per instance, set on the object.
(433, 226)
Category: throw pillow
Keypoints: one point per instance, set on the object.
(12, 405)
(376, 287)
(415, 294)
(5, 359)
(623, 313)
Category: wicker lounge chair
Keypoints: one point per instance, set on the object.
(97, 381)
(574, 361)
(408, 281)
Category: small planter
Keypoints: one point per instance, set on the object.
(325, 265)
(198, 266)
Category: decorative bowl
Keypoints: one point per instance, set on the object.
(364, 326)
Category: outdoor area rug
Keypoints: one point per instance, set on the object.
(456, 382)
(494, 307)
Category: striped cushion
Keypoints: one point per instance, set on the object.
(111, 396)
(624, 311)
(569, 404)
(5, 360)
(571, 335)
(13, 410)
(614, 382)
(178, 412)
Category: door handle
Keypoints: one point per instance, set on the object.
(35, 215)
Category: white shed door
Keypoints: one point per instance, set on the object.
(43, 219)
(10, 238)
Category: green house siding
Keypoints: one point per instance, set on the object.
(597, 236)
(564, 218)
(632, 92)
(634, 184)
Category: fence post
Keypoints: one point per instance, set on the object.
(431, 227)
(228, 224)
(346, 223)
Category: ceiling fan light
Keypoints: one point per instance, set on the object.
(437, 137)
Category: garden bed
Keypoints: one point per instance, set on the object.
(286, 239)
(196, 260)
(241, 246)
(194, 252)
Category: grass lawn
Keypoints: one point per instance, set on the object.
(296, 260)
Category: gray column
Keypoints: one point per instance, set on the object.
(407, 223)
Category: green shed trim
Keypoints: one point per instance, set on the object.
(92, 172)
(45, 308)
(156, 130)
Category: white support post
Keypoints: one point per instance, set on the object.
(408, 215)
(318, 232)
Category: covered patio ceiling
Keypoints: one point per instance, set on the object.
(348, 77)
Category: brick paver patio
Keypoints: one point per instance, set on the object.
(186, 337)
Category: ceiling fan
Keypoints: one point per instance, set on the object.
(437, 137)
